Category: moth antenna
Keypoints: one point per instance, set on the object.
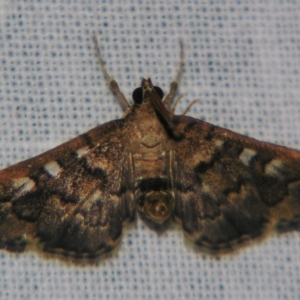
(175, 83)
(111, 82)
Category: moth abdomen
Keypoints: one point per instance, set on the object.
(157, 206)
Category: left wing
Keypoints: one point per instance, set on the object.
(70, 200)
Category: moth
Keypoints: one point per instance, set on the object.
(224, 188)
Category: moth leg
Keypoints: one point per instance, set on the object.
(111, 82)
(189, 107)
(175, 83)
(176, 103)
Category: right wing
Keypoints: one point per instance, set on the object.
(231, 189)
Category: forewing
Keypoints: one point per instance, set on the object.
(230, 189)
(71, 199)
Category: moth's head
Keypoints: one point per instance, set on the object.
(156, 205)
(140, 94)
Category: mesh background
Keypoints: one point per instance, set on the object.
(242, 62)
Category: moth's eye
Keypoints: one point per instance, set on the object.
(157, 206)
(137, 95)
(159, 92)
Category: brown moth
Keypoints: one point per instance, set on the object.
(224, 188)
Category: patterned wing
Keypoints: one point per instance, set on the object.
(231, 189)
(71, 200)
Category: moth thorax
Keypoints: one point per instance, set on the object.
(156, 205)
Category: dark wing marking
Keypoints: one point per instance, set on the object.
(230, 188)
(72, 199)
